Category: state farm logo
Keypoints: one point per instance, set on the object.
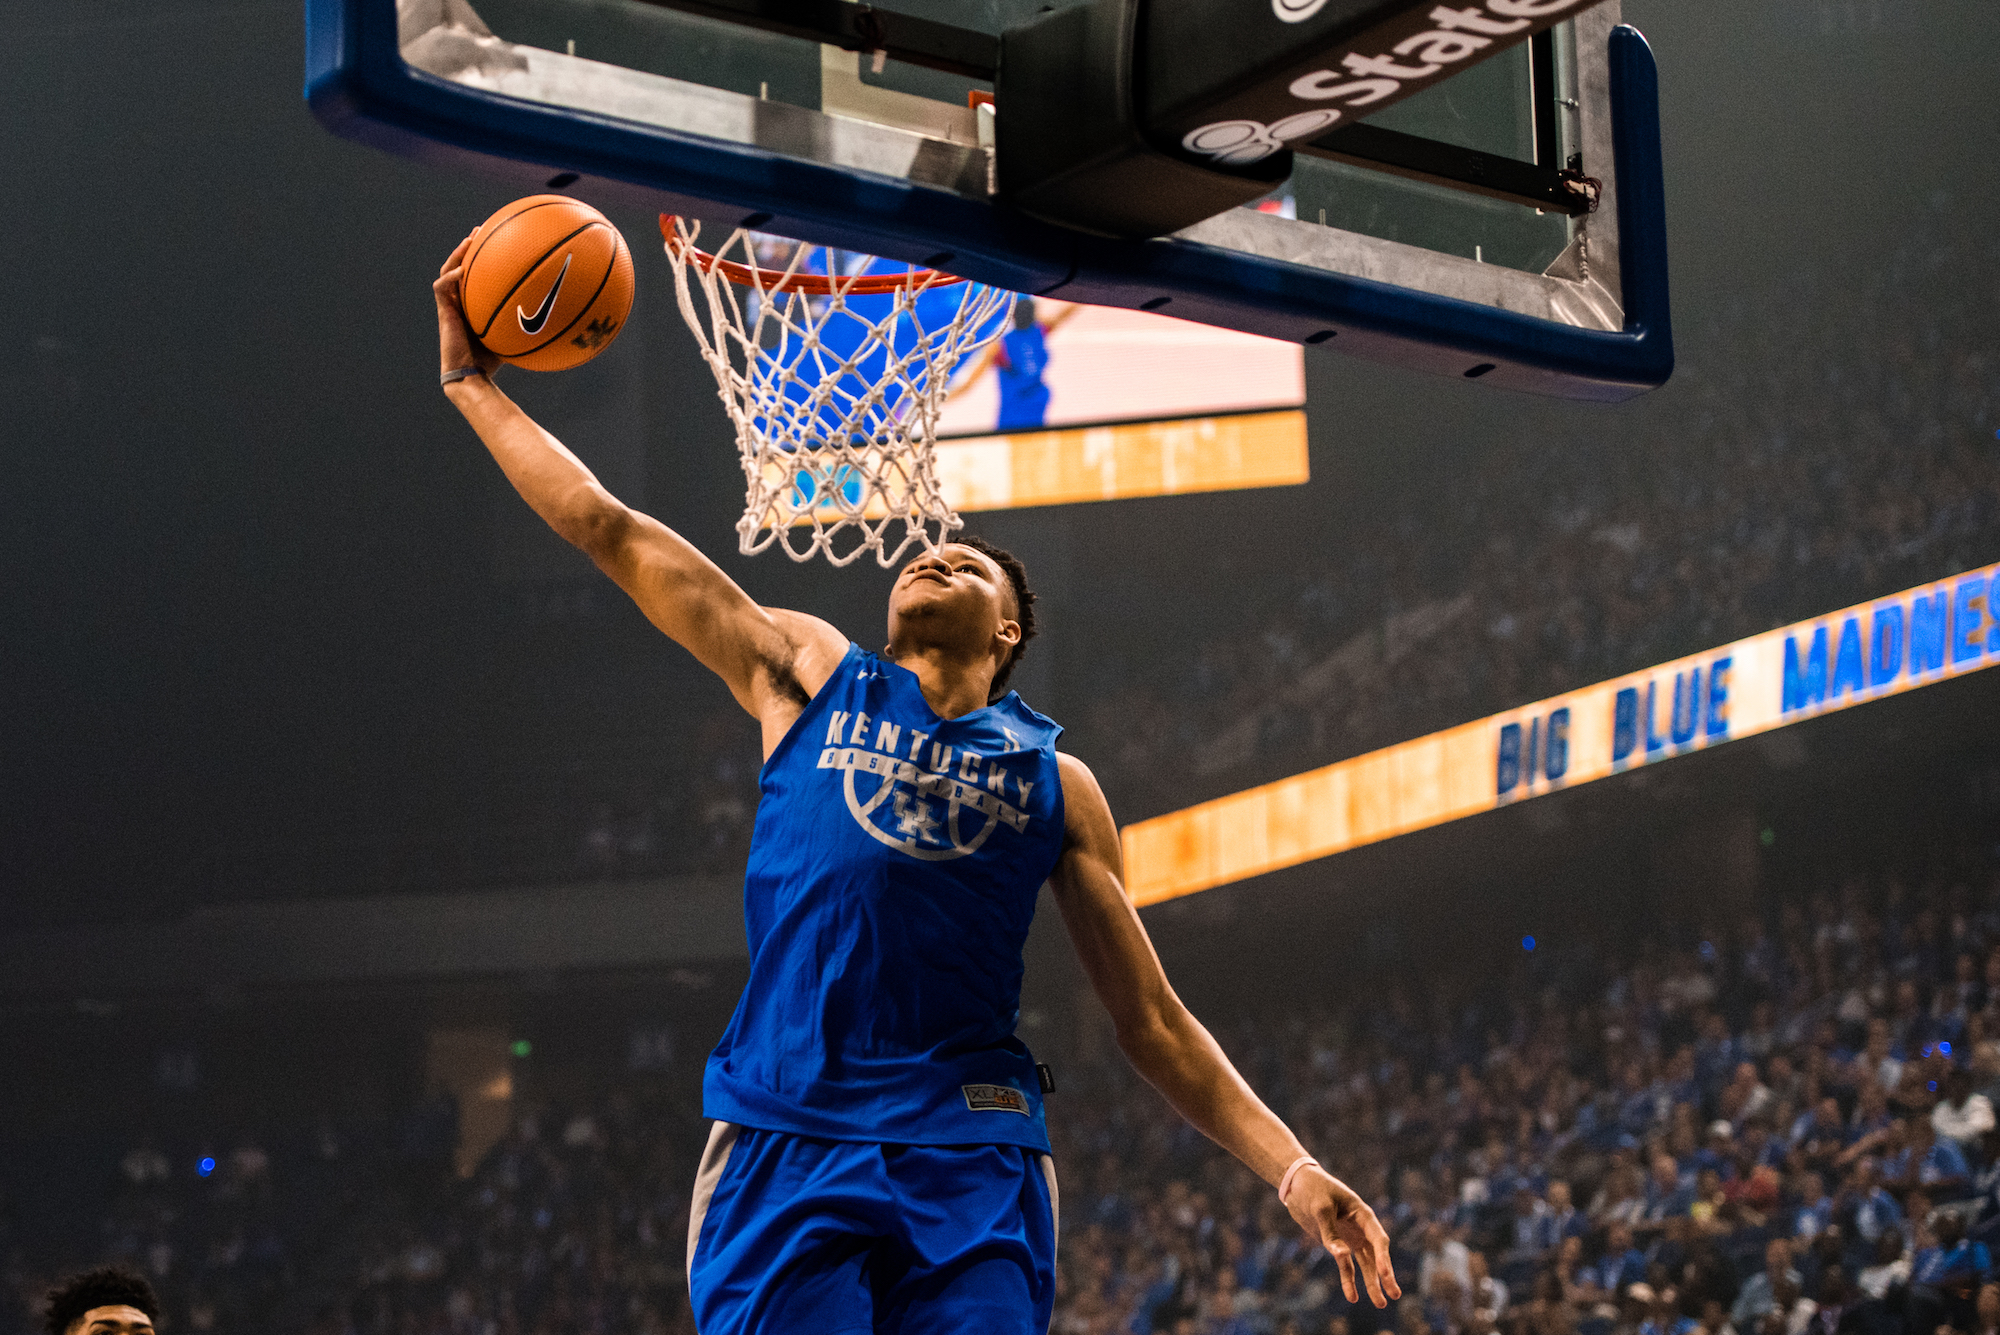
(1359, 79)
(1240, 143)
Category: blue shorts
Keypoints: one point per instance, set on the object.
(792, 1233)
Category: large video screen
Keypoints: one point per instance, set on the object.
(1065, 365)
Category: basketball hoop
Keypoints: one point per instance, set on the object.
(834, 382)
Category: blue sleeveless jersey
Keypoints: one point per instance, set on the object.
(892, 876)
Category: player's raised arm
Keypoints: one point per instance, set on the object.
(1179, 1057)
(772, 660)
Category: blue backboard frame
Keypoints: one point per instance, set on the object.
(360, 87)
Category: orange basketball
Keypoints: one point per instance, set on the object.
(547, 283)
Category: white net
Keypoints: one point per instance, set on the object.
(833, 378)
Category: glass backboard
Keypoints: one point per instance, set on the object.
(1433, 234)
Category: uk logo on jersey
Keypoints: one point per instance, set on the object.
(919, 796)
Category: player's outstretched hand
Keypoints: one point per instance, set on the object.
(456, 347)
(1339, 1220)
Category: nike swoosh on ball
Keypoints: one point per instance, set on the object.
(532, 324)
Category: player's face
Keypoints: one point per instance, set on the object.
(116, 1320)
(956, 590)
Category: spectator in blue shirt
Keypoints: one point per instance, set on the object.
(1638, 1102)
(1667, 1193)
(1680, 1084)
(1871, 1114)
(1622, 1263)
(1663, 1316)
(1986, 1187)
(1953, 1260)
(1821, 1133)
(1563, 1219)
(1815, 1210)
(1938, 1166)
(1715, 1154)
(1947, 1276)
(1873, 1209)
(1756, 1297)
(1715, 1056)
(1528, 1229)
(1760, 1146)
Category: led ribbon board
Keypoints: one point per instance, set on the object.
(1117, 462)
(1125, 460)
(1916, 638)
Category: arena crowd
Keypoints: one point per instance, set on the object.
(1779, 1128)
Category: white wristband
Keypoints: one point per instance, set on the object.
(457, 374)
(1285, 1182)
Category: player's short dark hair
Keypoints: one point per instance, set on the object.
(1024, 604)
(107, 1286)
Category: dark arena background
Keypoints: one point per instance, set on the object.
(370, 870)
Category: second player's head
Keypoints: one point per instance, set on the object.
(969, 598)
(108, 1301)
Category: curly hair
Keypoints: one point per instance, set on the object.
(1024, 604)
(107, 1286)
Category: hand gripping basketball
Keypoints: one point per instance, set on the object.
(457, 348)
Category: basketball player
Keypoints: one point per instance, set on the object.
(879, 1159)
(107, 1301)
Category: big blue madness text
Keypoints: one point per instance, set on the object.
(1899, 641)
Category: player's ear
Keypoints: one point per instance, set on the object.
(1009, 632)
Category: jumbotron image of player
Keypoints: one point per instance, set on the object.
(879, 1159)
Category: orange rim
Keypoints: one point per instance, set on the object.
(812, 284)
